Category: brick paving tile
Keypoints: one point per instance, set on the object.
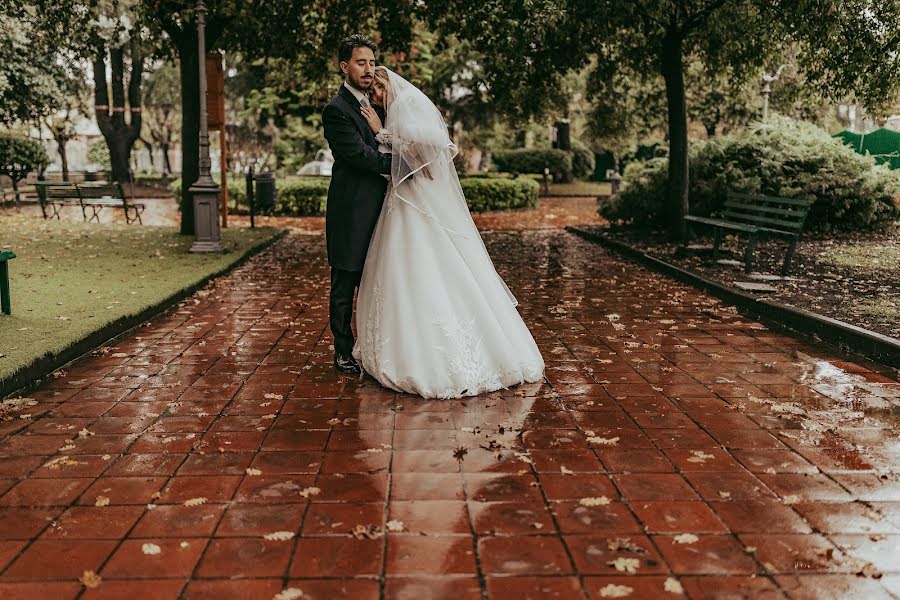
(664, 413)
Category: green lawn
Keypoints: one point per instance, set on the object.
(69, 280)
(576, 188)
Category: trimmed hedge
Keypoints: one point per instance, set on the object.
(790, 159)
(295, 196)
(308, 196)
(534, 161)
(500, 194)
(583, 161)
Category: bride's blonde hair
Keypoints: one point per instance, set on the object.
(381, 77)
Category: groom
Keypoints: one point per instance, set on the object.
(356, 192)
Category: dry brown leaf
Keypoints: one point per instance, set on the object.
(699, 456)
(627, 565)
(90, 580)
(102, 501)
(685, 538)
(370, 532)
(195, 501)
(601, 501)
(253, 472)
(395, 525)
(150, 549)
(615, 591)
(603, 441)
(310, 491)
(289, 594)
(673, 586)
(279, 536)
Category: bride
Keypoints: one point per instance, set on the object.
(433, 316)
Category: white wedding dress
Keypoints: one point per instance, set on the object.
(433, 316)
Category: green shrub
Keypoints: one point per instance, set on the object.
(534, 161)
(19, 156)
(483, 194)
(791, 160)
(641, 198)
(308, 196)
(237, 190)
(302, 197)
(583, 161)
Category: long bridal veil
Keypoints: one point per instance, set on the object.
(423, 175)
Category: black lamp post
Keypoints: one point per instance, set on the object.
(205, 191)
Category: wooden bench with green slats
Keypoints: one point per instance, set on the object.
(15, 195)
(54, 196)
(100, 195)
(5, 257)
(759, 216)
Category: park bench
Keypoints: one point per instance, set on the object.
(89, 195)
(5, 257)
(54, 196)
(759, 216)
(14, 196)
(100, 195)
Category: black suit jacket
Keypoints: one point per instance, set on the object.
(357, 187)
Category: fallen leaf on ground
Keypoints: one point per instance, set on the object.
(370, 532)
(603, 441)
(699, 456)
(601, 501)
(792, 499)
(62, 461)
(615, 591)
(279, 536)
(627, 565)
(310, 491)
(685, 538)
(151, 549)
(395, 525)
(460, 453)
(626, 545)
(673, 586)
(565, 470)
(289, 594)
(253, 472)
(195, 501)
(102, 501)
(90, 580)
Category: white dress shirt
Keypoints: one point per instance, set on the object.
(361, 96)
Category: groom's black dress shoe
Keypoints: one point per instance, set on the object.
(346, 365)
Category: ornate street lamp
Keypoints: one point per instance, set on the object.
(767, 89)
(205, 191)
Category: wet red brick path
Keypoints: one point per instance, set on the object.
(677, 450)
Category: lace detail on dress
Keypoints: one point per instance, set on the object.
(372, 353)
(465, 358)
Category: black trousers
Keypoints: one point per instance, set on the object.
(340, 308)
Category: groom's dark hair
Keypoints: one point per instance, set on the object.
(345, 50)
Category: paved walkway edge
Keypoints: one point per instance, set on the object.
(863, 342)
(30, 376)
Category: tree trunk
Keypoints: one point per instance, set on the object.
(119, 135)
(167, 163)
(672, 64)
(61, 148)
(190, 125)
